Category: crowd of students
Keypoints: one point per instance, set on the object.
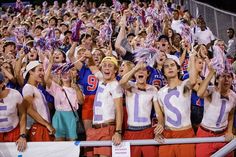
(143, 70)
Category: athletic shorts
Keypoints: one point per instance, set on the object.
(11, 136)
(101, 134)
(38, 133)
(65, 124)
(87, 107)
(178, 150)
(142, 151)
(207, 149)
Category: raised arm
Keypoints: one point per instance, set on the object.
(202, 91)
(72, 52)
(47, 76)
(9, 29)
(121, 36)
(8, 74)
(17, 70)
(124, 81)
(193, 75)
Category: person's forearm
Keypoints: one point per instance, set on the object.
(37, 117)
(159, 114)
(34, 114)
(120, 37)
(22, 118)
(203, 87)
(72, 52)
(119, 113)
(230, 121)
(182, 57)
(192, 71)
(127, 77)
(47, 75)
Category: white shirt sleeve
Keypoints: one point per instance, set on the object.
(116, 91)
(212, 37)
(18, 97)
(99, 75)
(27, 91)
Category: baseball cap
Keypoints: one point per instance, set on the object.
(173, 57)
(31, 65)
(112, 59)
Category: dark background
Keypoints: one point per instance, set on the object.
(228, 5)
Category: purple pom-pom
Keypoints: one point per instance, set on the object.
(117, 5)
(105, 33)
(76, 30)
(146, 55)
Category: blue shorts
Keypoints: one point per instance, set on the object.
(65, 124)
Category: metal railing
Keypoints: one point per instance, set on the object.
(9, 147)
(217, 20)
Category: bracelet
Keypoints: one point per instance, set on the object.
(23, 136)
(118, 131)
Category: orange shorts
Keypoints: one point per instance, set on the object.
(178, 150)
(101, 134)
(145, 151)
(11, 136)
(207, 149)
(87, 108)
(39, 132)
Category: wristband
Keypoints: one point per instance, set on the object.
(23, 136)
(118, 131)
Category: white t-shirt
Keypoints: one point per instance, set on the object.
(39, 103)
(8, 111)
(176, 26)
(216, 112)
(139, 104)
(176, 105)
(104, 106)
(204, 37)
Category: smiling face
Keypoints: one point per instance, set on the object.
(109, 70)
(37, 32)
(137, 42)
(97, 57)
(32, 55)
(141, 76)
(161, 58)
(88, 41)
(37, 73)
(58, 57)
(221, 44)
(66, 77)
(176, 40)
(170, 69)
